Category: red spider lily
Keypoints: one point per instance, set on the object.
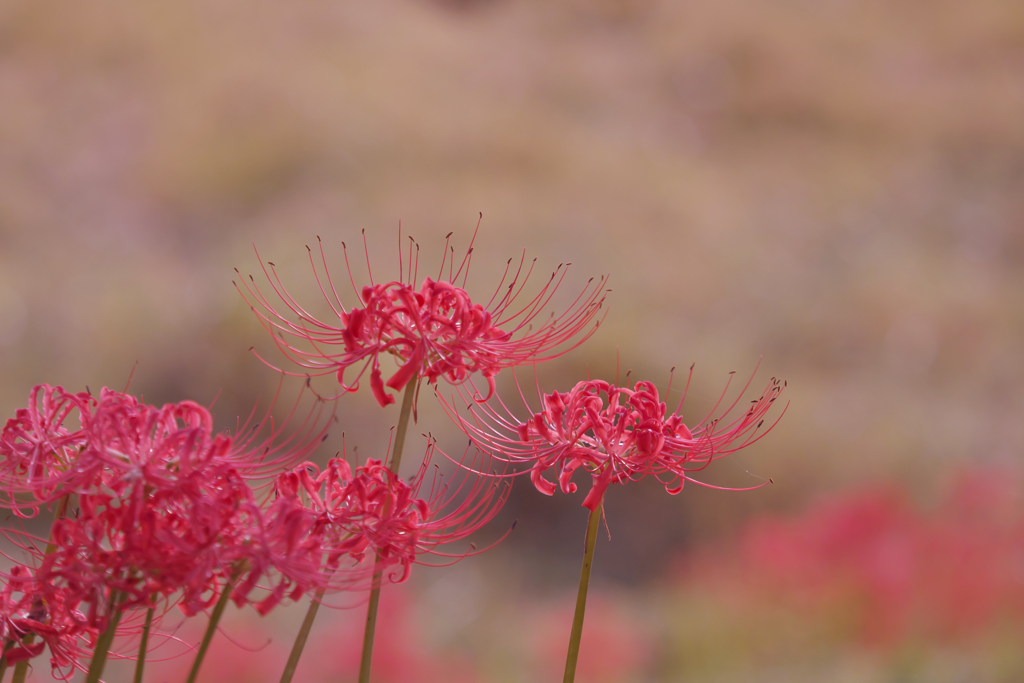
(164, 510)
(615, 434)
(37, 446)
(29, 607)
(43, 453)
(434, 331)
(373, 511)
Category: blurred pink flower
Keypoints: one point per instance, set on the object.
(29, 607)
(615, 647)
(434, 331)
(950, 572)
(400, 653)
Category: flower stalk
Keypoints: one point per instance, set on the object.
(21, 668)
(106, 639)
(8, 645)
(211, 628)
(140, 663)
(300, 639)
(378, 573)
(573, 653)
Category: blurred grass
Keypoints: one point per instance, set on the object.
(834, 186)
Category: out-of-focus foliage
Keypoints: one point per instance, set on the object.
(836, 186)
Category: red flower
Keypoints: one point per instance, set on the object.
(373, 511)
(29, 607)
(434, 331)
(164, 512)
(615, 434)
(37, 448)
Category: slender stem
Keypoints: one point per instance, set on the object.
(106, 639)
(403, 424)
(378, 572)
(140, 663)
(581, 598)
(211, 628)
(21, 668)
(300, 640)
(371, 625)
(8, 644)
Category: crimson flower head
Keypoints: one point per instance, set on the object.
(337, 513)
(30, 609)
(164, 510)
(40, 444)
(434, 330)
(615, 434)
(64, 443)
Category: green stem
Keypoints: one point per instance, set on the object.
(300, 640)
(211, 628)
(378, 572)
(581, 598)
(3, 658)
(140, 663)
(403, 424)
(106, 639)
(21, 668)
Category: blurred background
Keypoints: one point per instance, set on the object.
(835, 188)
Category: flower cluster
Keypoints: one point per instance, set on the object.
(29, 609)
(154, 509)
(433, 331)
(163, 512)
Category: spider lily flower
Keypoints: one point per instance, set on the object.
(435, 330)
(29, 607)
(340, 515)
(164, 511)
(615, 434)
(63, 443)
(41, 443)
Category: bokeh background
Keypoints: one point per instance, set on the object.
(833, 187)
